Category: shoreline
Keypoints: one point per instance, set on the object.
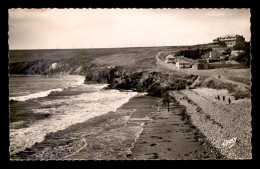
(75, 109)
(226, 126)
(117, 136)
(200, 136)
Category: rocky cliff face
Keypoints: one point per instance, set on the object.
(71, 66)
(123, 77)
(154, 83)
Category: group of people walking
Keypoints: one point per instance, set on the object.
(218, 98)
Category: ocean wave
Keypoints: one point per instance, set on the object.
(45, 93)
(76, 109)
(34, 95)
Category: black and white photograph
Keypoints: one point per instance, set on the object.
(129, 84)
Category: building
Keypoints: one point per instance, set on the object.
(201, 64)
(170, 59)
(183, 64)
(212, 55)
(230, 41)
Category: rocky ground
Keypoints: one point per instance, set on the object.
(227, 127)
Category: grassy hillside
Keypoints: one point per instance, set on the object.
(60, 54)
(91, 54)
(69, 60)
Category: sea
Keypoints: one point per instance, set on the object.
(40, 105)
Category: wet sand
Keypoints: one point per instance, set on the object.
(170, 136)
(136, 131)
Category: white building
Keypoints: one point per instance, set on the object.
(230, 40)
(170, 59)
(183, 64)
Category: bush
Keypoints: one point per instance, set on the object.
(227, 52)
(244, 57)
(232, 57)
(193, 53)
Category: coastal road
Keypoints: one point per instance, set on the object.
(224, 73)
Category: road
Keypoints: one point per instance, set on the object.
(224, 73)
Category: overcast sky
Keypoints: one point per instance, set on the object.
(98, 28)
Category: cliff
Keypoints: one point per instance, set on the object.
(121, 68)
(154, 83)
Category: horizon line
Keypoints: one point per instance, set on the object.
(110, 47)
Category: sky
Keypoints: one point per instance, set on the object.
(105, 28)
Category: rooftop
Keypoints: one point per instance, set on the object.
(229, 36)
(170, 56)
(183, 61)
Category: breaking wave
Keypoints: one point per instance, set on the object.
(34, 95)
(45, 93)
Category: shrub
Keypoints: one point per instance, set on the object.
(244, 57)
(193, 53)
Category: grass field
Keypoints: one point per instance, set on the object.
(139, 58)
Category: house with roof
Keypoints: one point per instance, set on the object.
(170, 59)
(200, 64)
(180, 64)
(214, 55)
(230, 40)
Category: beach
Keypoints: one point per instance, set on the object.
(226, 126)
(59, 119)
(135, 131)
(32, 120)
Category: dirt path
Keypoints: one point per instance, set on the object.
(223, 79)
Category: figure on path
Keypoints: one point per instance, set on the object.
(229, 100)
(223, 98)
(218, 97)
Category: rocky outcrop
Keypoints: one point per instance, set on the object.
(154, 83)
(71, 66)
(122, 77)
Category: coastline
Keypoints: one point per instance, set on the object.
(226, 126)
(125, 132)
(120, 135)
(63, 110)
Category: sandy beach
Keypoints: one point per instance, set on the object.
(135, 131)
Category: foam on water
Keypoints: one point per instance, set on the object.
(74, 109)
(76, 83)
(34, 95)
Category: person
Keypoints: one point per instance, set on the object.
(223, 98)
(229, 100)
(218, 97)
